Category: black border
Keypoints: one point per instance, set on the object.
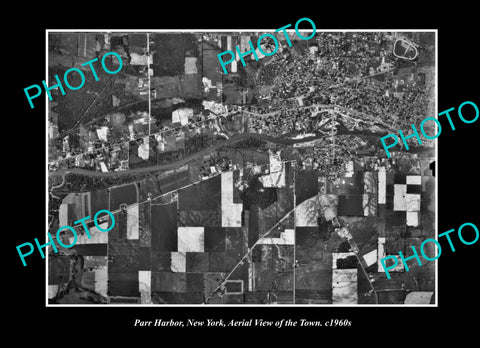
(457, 82)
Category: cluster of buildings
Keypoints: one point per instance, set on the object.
(356, 71)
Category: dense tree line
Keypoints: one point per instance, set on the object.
(249, 143)
(82, 183)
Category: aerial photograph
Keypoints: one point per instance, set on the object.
(251, 178)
